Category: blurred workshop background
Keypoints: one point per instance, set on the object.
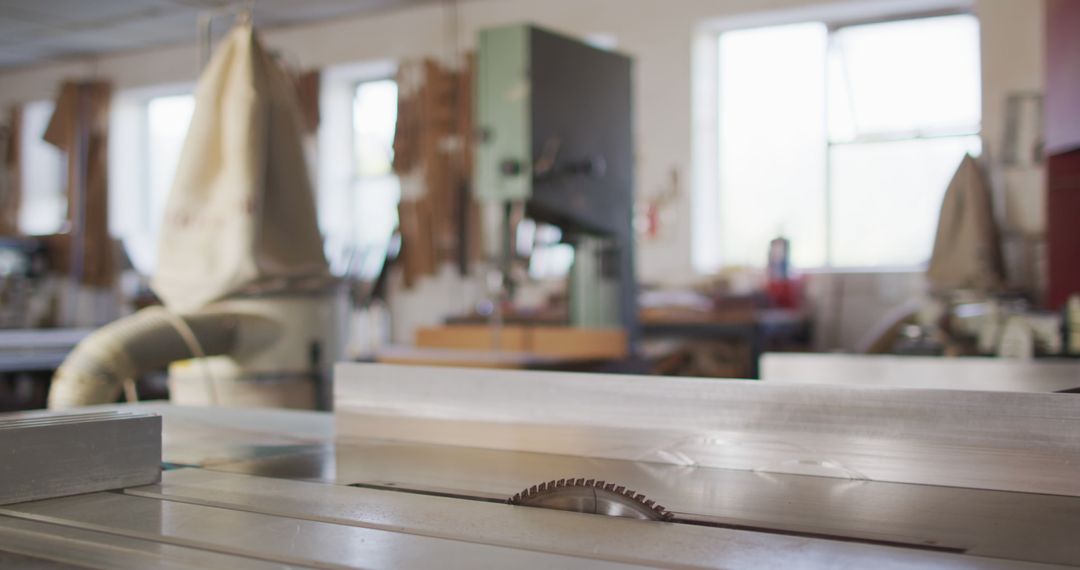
(215, 201)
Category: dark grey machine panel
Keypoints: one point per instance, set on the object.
(581, 115)
(583, 150)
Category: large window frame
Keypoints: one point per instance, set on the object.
(373, 189)
(707, 254)
(351, 249)
(956, 132)
(135, 212)
(133, 208)
(44, 179)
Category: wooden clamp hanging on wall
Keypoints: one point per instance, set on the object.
(79, 126)
(433, 145)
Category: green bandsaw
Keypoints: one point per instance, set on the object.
(555, 135)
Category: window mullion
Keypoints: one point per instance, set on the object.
(830, 40)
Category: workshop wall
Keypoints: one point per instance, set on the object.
(1013, 66)
(660, 35)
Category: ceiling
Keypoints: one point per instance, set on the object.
(42, 30)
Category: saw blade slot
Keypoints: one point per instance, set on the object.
(675, 517)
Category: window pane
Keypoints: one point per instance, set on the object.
(374, 217)
(374, 119)
(772, 143)
(909, 76)
(359, 214)
(167, 121)
(44, 180)
(885, 198)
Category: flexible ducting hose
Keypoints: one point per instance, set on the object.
(150, 339)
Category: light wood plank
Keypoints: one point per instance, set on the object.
(923, 372)
(987, 440)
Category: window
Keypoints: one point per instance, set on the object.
(148, 131)
(374, 119)
(44, 178)
(358, 207)
(841, 138)
(357, 191)
(167, 121)
(376, 191)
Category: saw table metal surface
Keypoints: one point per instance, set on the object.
(329, 526)
(276, 488)
(976, 521)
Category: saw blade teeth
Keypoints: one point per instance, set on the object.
(527, 496)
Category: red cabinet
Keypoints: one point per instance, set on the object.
(1062, 75)
(1063, 148)
(1063, 226)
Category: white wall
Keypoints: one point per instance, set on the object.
(1012, 45)
(660, 36)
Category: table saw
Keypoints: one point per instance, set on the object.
(438, 467)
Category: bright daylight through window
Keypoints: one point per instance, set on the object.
(44, 176)
(364, 213)
(375, 192)
(843, 139)
(167, 121)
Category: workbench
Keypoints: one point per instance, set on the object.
(517, 345)
(36, 350)
(28, 358)
(757, 329)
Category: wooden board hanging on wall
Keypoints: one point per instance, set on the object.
(433, 140)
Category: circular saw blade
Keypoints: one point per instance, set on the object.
(591, 496)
